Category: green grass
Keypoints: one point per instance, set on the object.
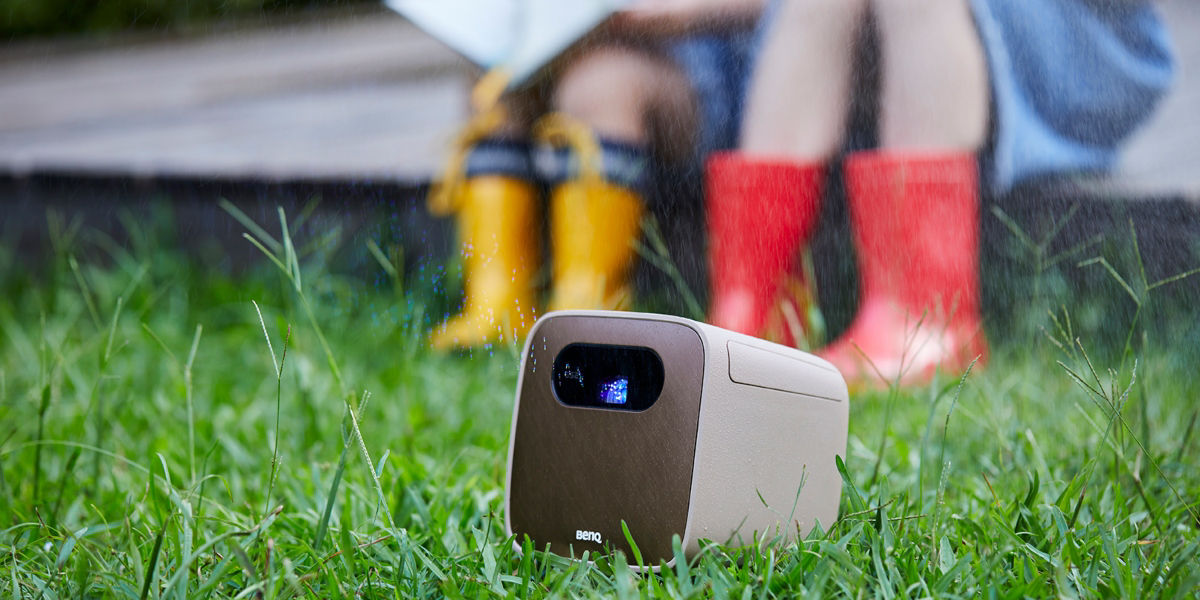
(167, 430)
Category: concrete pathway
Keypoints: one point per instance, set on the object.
(350, 97)
(1164, 156)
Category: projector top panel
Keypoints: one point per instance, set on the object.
(597, 443)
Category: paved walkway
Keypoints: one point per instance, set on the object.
(353, 97)
(1164, 156)
(356, 97)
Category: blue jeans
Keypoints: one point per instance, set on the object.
(1071, 79)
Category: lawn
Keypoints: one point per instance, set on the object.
(170, 429)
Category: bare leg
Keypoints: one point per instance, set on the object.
(935, 87)
(914, 206)
(617, 90)
(521, 109)
(799, 93)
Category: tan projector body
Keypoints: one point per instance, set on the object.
(674, 427)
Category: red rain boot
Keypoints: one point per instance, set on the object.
(760, 211)
(916, 227)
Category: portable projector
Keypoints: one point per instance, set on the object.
(672, 427)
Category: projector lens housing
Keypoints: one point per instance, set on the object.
(608, 377)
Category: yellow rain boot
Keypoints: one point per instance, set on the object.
(488, 184)
(595, 220)
(498, 228)
(593, 227)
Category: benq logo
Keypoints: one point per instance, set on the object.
(591, 536)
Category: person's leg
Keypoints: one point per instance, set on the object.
(604, 101)
(614, 89)
(914, 204)
(799, 92)
(935, 82)
(489, 187)
(763, 200)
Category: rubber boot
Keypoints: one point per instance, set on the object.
(760, 212)
(594, 225)
(498, 226)
(916, 229)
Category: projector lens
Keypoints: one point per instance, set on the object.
(615, 391)
(609, 377)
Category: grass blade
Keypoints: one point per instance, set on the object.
(187, 394)
(278, 404)
(323, 525)
(149, 577)
(249, 223)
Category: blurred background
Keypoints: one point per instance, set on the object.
(118, 105)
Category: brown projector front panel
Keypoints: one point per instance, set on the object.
(577, 472)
